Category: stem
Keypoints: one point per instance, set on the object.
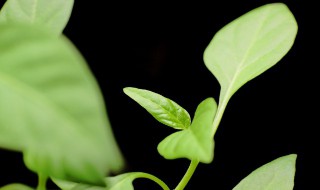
(184, 181)
(218, 116)
(194, 163)
(42, 181)
(153, 178)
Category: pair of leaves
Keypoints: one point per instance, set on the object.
(51, 108)
(239, 52)
(193, 141)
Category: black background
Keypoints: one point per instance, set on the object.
(159, 46)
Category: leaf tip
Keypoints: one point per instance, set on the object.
(128, 90)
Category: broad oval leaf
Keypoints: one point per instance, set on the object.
(16, 186)
(53, 14)
(194, 143)
(249, 45)
(51, 107)
(276, 175)
(161, 108)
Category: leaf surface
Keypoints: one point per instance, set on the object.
(275, 175)
(121, 182)
(161, 108)
(16, 186)
(51, 107)
(53, 14)
(250, 45)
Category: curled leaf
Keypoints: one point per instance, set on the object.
(194, 143)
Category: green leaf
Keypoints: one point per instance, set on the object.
(161, 108)
(63, 184)
(52, 14)
(16, 186)
(120, 182)
(88, 187)
(275, 175)
(249, 45)
(51, 107)
(68, 185)
(194, 143)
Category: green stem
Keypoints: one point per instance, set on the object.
(186, 178)
(42, 182)
(218, 116)
(194, 163)
(153, 178)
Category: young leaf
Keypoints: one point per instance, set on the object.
(249, 45)
(276, 175)
(194, 143)
(16, 186)
(161, 108)
(51, 107)
(53, 14)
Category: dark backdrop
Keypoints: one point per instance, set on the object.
(159, 46)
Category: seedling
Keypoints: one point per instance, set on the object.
(46, 86)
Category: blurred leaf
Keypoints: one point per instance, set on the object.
(63, 184)
(194, 143)
(120, 182)
(161, 108)
(16, 186)
(275, 175)
(52, 14)
(69, 185)
(51, 107)
(249, 45)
